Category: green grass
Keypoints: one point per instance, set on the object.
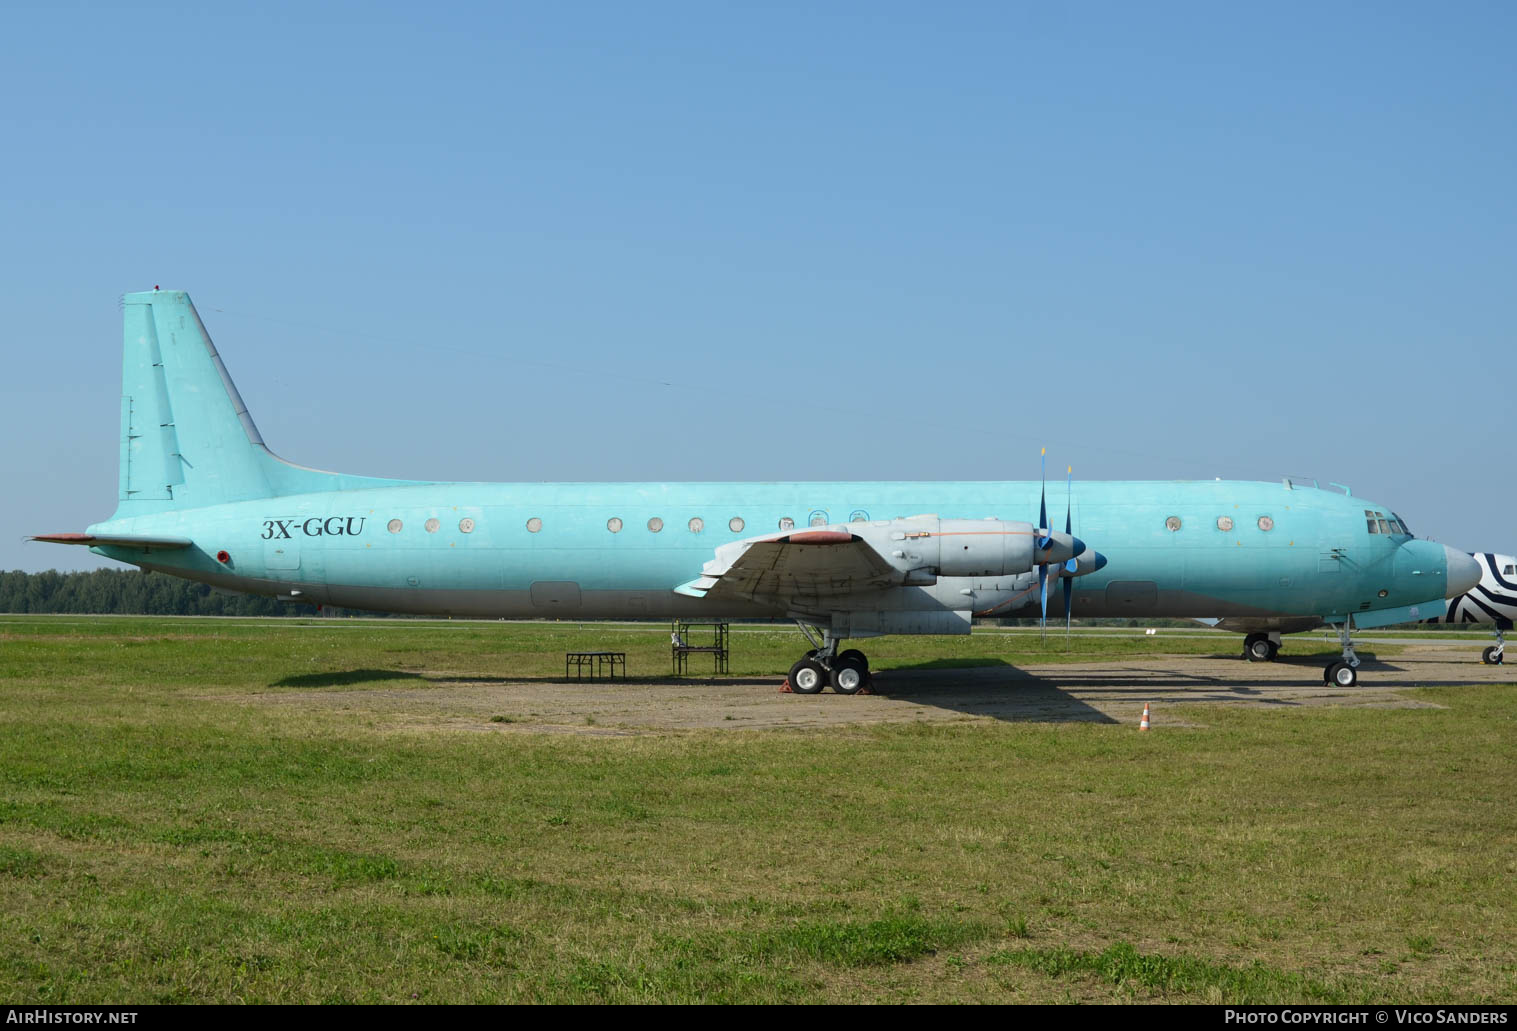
(168, 833)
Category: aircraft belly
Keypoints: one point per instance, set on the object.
(525, 604)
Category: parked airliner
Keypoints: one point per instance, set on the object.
(202, 497)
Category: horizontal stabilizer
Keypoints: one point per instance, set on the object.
(120, 540)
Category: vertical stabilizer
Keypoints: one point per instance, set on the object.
(187, 439)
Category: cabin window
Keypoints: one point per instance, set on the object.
(655, 524)
(697, 524)
(394, 525)
(1172, 524)
(735, 524)
(432, 525)
(818, 518)
(1266, 523)
(786, 523)
(1224, 523)
(614, 524)
(1509, 570)
(466, 525)
(534, 524)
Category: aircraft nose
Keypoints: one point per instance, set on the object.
(1463, 572)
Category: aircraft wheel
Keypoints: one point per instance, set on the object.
(807, 677)
(1489, 656)
(1341, 674)
(848, 676)
(854, 655)
(1256, 648)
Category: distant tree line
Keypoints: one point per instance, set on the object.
(130, 592)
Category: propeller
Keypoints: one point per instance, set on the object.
(1045, 541)
(1071, 565)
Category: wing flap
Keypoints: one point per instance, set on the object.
(805, 563)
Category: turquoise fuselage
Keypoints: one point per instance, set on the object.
(336, 547)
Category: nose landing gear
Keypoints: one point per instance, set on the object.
(1344, 672)
(1492, 656)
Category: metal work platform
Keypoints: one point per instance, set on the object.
(682, 645)
(595, 664)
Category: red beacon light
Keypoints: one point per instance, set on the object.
(224, 558)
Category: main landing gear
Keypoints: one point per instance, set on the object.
(1261, 647)
(1343, 672)
(1492, 655)
(847, 672)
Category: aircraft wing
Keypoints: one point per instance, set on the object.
(807, 563)
(119, 540)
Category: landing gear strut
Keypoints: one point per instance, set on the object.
(1261, 647)
(1492, 655)
(1344, 672)
(848, 672)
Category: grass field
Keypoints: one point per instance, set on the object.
(167, 834)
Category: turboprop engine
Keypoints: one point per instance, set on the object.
(926, 547)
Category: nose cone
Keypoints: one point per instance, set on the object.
(1463, 572)
(1100, 560)
(1077, 544)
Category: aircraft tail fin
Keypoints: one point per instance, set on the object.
(187, 439)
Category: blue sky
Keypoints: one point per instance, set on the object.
(702, 241)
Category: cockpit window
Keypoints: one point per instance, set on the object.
(1404, 528)
(1369, 518)
(1509, 570)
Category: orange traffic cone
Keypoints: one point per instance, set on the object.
(1143, 724)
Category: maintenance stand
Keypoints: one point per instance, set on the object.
(596, 664)
(682, 645)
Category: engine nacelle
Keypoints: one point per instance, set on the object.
(926, 547)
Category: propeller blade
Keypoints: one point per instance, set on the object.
(1069, 601)
(1043, 590)
(1071, 565)
(1044, 541)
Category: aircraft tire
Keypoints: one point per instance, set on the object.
(807, 677)
(848, 676)
(1274, 651)
(1489, 656)
(854, 655)
(1340, 674)
(1256, 648)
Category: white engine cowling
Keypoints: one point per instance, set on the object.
(927, 546)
